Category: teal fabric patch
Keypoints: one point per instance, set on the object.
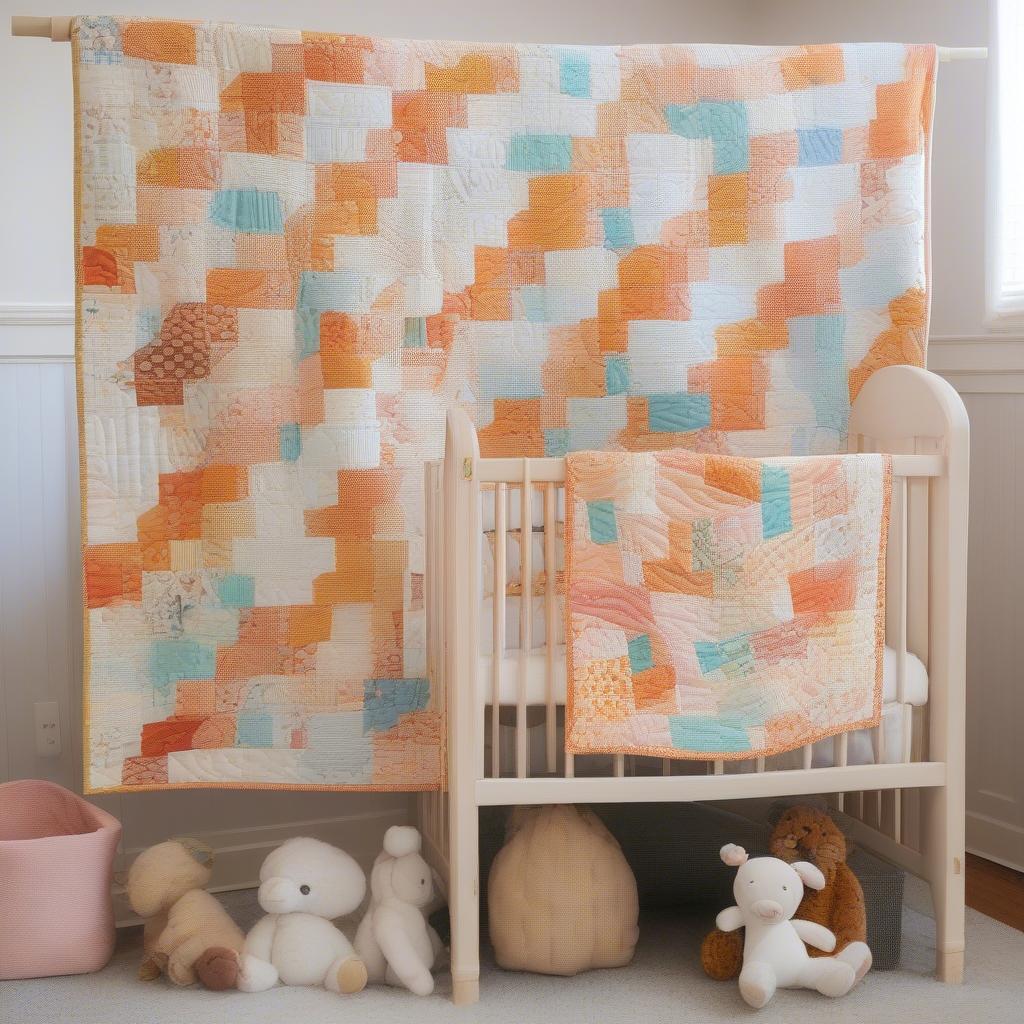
(254, 729)
(386, 700)
(180, 658)
(556, 442)
(337, 748)
(618, 228)
(535, 303)
(236, 591)
(248, 210)
(574, 73)
(678, 413)
(819, 146)
(724, 122)
(616, 375)
(776, 515)
(713, 655)
(549, 154)
(290, 442)
(415, 332)
(706, 734)
(640, 657)
(831, 396)
(601, 515)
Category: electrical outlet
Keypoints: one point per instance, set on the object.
(47, 729)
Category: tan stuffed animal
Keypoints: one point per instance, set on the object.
(561, 898)
(804, 833)
(188, 935)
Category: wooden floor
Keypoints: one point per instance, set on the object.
(995, 891)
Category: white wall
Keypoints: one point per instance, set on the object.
(40, 632)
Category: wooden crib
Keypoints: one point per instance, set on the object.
(910, 812)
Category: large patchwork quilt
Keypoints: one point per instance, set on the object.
(296, 250)
(721, 607)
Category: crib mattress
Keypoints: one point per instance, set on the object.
(536, 678)
(861, 743)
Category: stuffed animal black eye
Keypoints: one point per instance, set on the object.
(785, 888)
(304, 889)
(423, 881)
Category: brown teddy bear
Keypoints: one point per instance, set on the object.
(803, 833)
(188, 935)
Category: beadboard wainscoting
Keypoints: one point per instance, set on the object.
(40, 622)
(41, 631)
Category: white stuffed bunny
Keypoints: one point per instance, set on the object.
(304, 885)
(394, 940)
(768, 892)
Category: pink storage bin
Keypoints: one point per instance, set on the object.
(56, 862)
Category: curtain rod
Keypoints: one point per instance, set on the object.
(58, 29)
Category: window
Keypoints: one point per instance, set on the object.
(1006, 167)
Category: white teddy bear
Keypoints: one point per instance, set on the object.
(304, 885)
(768, 892)
(394, 940)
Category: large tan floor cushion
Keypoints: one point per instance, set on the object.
(561, 897)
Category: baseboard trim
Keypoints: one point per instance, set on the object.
(999, 841)
(238, 853)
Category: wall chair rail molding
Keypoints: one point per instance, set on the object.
(37, 333)
(979, 364)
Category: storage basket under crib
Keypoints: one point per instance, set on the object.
(56, 863)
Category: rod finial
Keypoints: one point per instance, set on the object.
(56, 29)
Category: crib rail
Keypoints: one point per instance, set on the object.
(517, 738)
(528, 491)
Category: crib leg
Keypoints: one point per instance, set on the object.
(944, 855)
(464, 907)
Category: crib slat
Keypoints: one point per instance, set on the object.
(498, 624)
(719, 768)
(666, 766)
(840, 753)
(525, 618)
(807, 757)
(759, 765)
(620, 765)
(901, 593)
(551, 625)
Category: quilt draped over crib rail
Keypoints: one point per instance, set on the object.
(721, 607)
(296, 250)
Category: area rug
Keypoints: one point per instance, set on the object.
(296, 250)
(663, 985)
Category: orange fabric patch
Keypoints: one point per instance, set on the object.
(167, 736)
(736, 476)
(824, 589)
(727, 209)
(473, 74)
(308, 624)
(814, 65)
(516, 429)
(113, 573)
(332, 58)
(559, 215)
(654, 687)
(171, 42)
(250, 289)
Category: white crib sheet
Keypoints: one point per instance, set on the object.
(536, 673)
(860, 744)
